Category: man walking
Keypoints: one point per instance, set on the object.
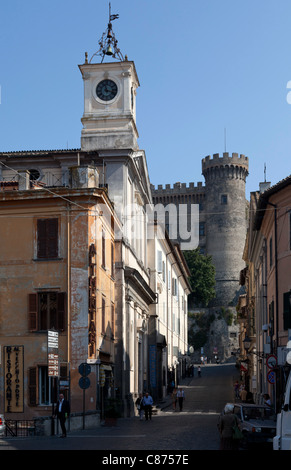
(148, 403)
(62, 411)
(181, 398)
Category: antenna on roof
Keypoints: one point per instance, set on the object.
(265, 172)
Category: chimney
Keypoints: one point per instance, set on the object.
(23, 180)
(264, 186)
(84, 177)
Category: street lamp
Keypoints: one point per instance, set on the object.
(247, 343)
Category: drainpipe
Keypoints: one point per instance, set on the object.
(276, 295)
(276, 273)
(69, 282)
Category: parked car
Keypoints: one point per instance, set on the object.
(2, 425)
(256, 422)
(282, 440)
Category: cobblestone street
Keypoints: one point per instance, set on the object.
(195, 428)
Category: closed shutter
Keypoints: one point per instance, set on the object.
(63, 371)
(159, 261)
(112, 260)
(32, 395)
(41, 239)
(47, 238)
(52, 235)
(32, 312)
(287, 310)
(103, 249)
(103, 316)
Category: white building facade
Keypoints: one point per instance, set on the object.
(150, 273)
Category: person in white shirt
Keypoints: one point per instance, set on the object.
(62, 410)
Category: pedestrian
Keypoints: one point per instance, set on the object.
(236, 389)
(249, 397)
(140, 406)
(62, 411)
(243, 395)
(267, 402)
(226, 423)
(148, 403)
(174, 399)
(172, 385)
(199, 371)
(181, 398)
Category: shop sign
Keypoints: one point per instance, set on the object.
(13, 379)
(53, 353)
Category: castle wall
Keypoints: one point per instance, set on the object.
(222, 219)
(226, 221)
(222, 216)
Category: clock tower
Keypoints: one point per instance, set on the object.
(109, 118)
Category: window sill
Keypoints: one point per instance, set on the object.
(47, 259)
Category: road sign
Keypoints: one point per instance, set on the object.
(84, 382)
(53, 365)
(53, 339)
(84, 369)
(271, 361)
(271, 377)
(53, 353)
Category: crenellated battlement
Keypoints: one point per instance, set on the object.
(225, 160)
(177, 188)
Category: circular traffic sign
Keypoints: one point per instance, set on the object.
(84, 369)
(84, 382)
(271, 377)
(271, 361)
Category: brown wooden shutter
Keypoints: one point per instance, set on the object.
(287, 310)
(112, 260)
(47, 238)
(63, 371)
(61, 311)
(103, 249)
(52, 236)
(32, 312)
(103, 316)
(41, 238)
(112, 321)
(32, 396)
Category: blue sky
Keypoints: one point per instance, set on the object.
(204, 66)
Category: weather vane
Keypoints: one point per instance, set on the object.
(108, 42)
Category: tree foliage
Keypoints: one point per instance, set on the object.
(202, 278)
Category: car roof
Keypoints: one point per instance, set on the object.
(248, 405)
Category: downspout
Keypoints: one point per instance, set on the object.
(276, 273)
(69, 282)
(276, 295)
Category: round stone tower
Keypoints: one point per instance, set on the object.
(226, 222)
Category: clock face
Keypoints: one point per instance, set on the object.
(106, 90)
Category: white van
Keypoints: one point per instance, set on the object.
(282, 440)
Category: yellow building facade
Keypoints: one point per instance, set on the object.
(56, 275)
